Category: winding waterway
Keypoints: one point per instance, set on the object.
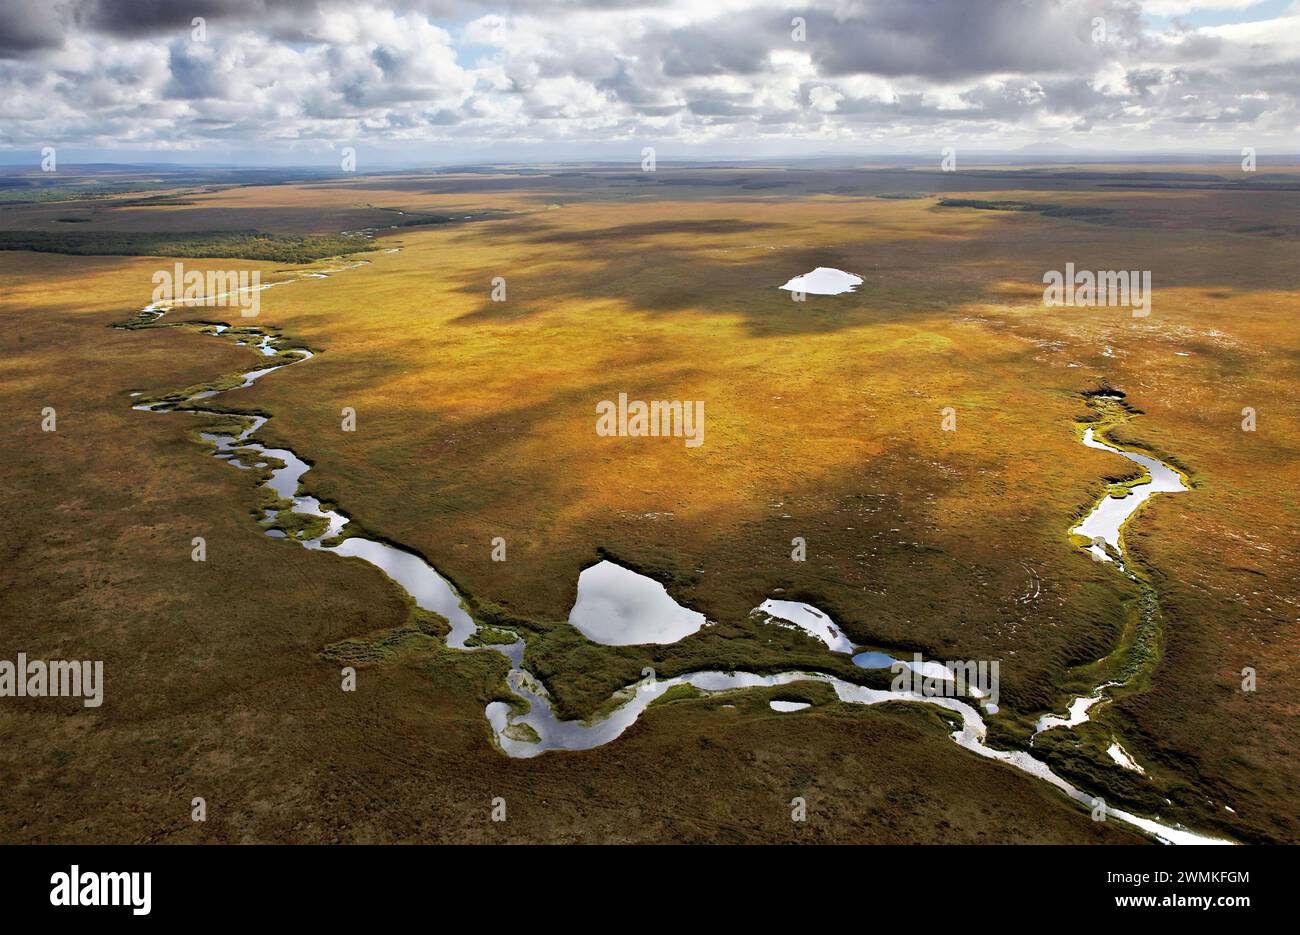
(1104, 526)
(1107, 519)
(529, 727)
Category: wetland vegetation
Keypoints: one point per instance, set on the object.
(475, 415)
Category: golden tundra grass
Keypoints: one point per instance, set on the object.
(476, 419)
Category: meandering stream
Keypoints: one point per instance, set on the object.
(1104, 526)
(530, 727)
(1107, 519)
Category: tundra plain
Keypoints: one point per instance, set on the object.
(475, 419)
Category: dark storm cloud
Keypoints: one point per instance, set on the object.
(715, 48)
(623, 86)
(148, 17)
(32, 25)
(286, 18)
(192, 75)
(951, 39)
(28, 26)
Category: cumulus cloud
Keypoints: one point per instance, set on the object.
(130, 74)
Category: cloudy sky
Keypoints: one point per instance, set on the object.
(406, 81)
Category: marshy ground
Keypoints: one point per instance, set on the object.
(475, 420)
